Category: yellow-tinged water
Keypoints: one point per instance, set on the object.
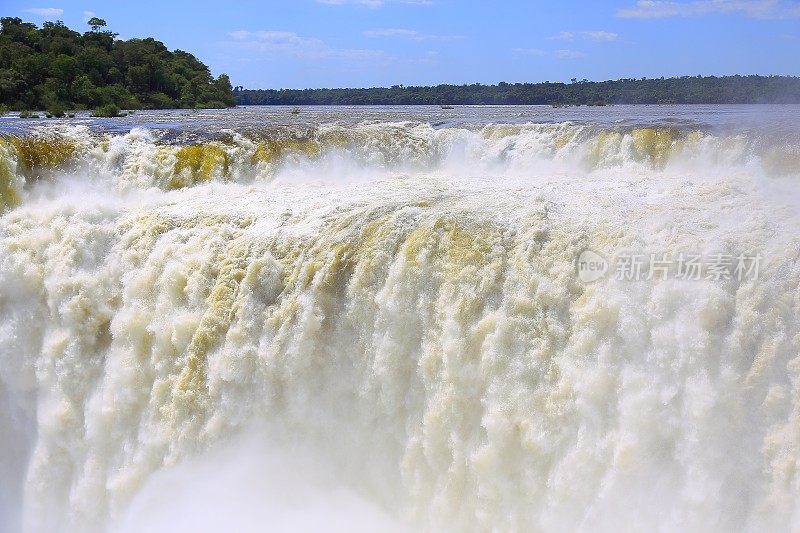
(138, 160)
(10, 182)
(197, 164)
(386, 321)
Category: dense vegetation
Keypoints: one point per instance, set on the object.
(56, 68)
(684, 90)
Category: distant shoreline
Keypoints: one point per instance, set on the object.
(463, 106)
(682, 90)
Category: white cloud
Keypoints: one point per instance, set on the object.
(374, 3)
(563, 36)
(410, 34)
(603, 36)
(45, 12)
(570, 54)
(762, 9)
(606, 36)
(529, 51)
(291, 44)
(88, 15)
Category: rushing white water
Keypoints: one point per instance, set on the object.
(380, 327)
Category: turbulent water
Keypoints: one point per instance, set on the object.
(374, 319)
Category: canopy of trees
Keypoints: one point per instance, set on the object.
(684, 90)
(54, 66)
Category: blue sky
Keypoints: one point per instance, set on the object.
(362, 43)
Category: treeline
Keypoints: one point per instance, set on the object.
(54, 67)
(683, 90)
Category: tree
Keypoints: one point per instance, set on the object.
(52, 67)
(96, 24)
(686, 90)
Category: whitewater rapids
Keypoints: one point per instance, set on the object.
(379, 327)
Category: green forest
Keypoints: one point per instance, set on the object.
(682, 90)
(55, 68)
